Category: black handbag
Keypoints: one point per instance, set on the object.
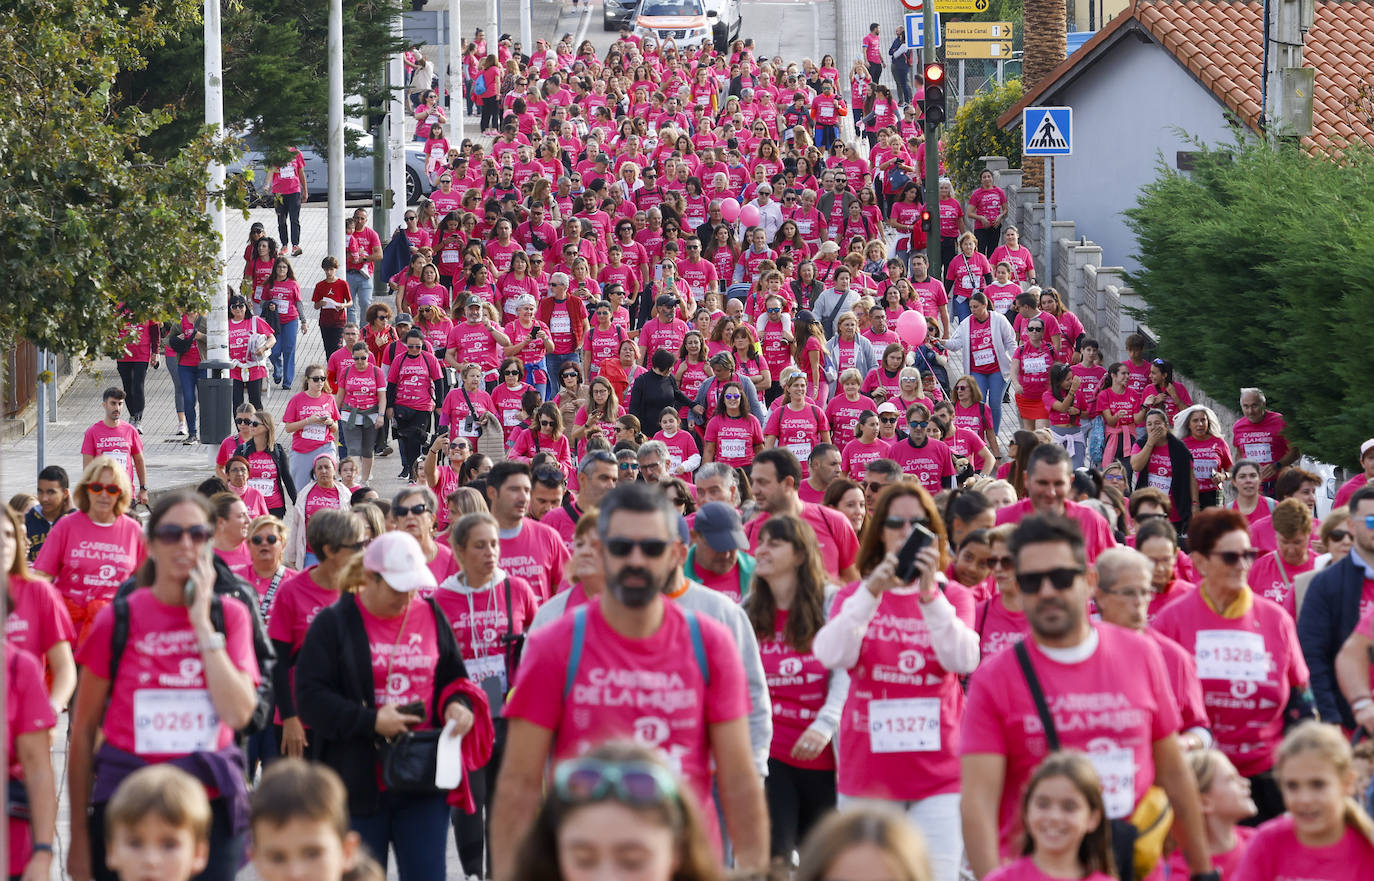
(410, 760)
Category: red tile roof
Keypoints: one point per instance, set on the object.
(1218, 41)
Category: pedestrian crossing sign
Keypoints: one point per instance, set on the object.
(1047, 131)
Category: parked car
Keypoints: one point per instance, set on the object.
(688, 22)
(357, 171)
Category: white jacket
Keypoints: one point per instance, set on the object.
(1003, 343)
(295, 538)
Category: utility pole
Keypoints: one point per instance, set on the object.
(1287, 88)
(934, 115)
(493, 26)
(336, 132)
(455, 71)
(526, 28)
(396, 148)
(217, 319)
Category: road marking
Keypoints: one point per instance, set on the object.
(582, 28)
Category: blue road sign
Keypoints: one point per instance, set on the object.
(915, 30)
(1047, 131)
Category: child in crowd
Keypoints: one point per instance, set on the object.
(1067, 833)
(157, 825)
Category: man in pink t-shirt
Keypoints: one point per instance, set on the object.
(777, 474)
(119, 440)
(634, 666)
(1126, 725)
(823, 467)
(1258, 436)
(597, 473)
(1047, 487)
(528, 548)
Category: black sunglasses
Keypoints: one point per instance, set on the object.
(269, 539)
(417, 510)
(887, 420)
(1233, 558)
(1061, 579)
(171, 533)
(899, 522)
(253, 422)
(623, 547)
(510, 372)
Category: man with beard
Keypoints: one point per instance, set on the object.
(1047, 489)
(1126, 725)
(634, 665)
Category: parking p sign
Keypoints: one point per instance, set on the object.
(1047, 131)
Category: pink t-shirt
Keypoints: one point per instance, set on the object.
(89, 560)
(360, 387)
(1261, 442)
(1115, 719)
(998, 626)
(311, 437)
(38, 620)
(475, 345)
(1276, 854)
(536, 554)
(1225, 863)
(797, 688)
(835, 537)
(160, 705)
(843, 415)
(930, 463)
(734, 438)
(1182, 672)
(405, 654)
(1248, 666)
(479, 620)
(904, 710)
(413, 378)
(1025, 869)
(857, 454)
(120, 443)
(298, 600)
(26, 710)
(1272, 579)
(262, 476)
(455, 411)
(1097, 535)
(797, 430)
(657, 335)
(680, 446)
(649, 690)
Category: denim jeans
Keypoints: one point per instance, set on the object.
(188, 377)
(556, 363)
(416, 826)
(360, 286)
(960, 308)
(992, 386)
(283, 357)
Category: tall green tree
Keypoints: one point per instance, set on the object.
(276, 73)
(1257, 269)
(93, 228)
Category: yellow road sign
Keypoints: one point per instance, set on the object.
(959, 49)
(943, 6)
(977, 30)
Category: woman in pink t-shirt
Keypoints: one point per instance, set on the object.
(999, 619)
(180, 687)
(1325, 835)
(905, 645)
(545, 435)
(312, 419)
(1163, 392)
(37, 620)
(864, 448)
(283, 295)
(1068, 835)
(29, 720)
(733, 434)
(786, 606)
(796, 422)
(1200, 431)
(1020, 258)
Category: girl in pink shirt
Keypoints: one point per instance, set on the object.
(1067, 833)
(1325, 836)
(1225, 797)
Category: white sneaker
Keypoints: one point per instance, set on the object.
(181, 430)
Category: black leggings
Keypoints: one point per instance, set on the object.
(132, 375)
(797, 798)
(1208, 498)
(472, 832)
(988, 239)
(491, 110)
(411, 428)
(289, 209)
(332, 338)
(1264, 789)
(254, 387)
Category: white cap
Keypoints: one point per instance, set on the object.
(888, 407)
(397, 557)
(1366, 447)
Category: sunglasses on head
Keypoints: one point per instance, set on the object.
(1233, 558)
(269, 539)
(171, 533)
(623, 547)
(417, 510)
(1061, 579)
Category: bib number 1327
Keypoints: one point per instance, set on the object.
(906, 725)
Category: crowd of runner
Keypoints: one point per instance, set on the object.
(708, 528)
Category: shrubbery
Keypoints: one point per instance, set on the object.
(974, 134)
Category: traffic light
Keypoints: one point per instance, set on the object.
(925, 220)
(933, 104)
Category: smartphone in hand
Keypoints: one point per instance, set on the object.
(916, 542)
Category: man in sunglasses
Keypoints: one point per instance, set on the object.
(923, 457)
(634, 665)
(1047, 486)
(878, 476)
(528, 548)
(596, 476)
(1127, 725)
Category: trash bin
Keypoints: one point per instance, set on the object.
(215, 395)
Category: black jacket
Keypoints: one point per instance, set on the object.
(336, 698)
(1329, 614)
(652, 392)
(227, 584)
(284, 481)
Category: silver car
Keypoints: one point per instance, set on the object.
(357, 171)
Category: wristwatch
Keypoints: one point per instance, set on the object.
(215, 642)
(1213, 875)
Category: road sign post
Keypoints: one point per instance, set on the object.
(948, 7)
(1048, 132)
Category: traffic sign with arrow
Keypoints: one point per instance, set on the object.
(984, 49)
(949, 6)
(978, 30)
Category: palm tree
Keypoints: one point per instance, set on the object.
(1046, 23)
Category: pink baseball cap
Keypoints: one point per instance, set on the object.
(397, 557)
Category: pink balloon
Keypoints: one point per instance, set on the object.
(749, 215)
(729, 209)
(911, 328)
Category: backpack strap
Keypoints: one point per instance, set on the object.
(1038, 695)
(698, 646)
(579, 638)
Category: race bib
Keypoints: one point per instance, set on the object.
(1034, 365)
(315, 432)
(510, 418)
(801, 450)
(264, 485)
(174, 721)
(120, 456)
(289, 172)
(904, 725)
(449, 257)
(803, 226)
(431, 119)
(1203, 469)
(1116, 769)
(1232, 655)
(490, 667)
(984, 357)
(282, 305)
(467, 427)
(968, 282)
(733, 448)
(561, 323)
(1161, 482)
(1259, 452)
